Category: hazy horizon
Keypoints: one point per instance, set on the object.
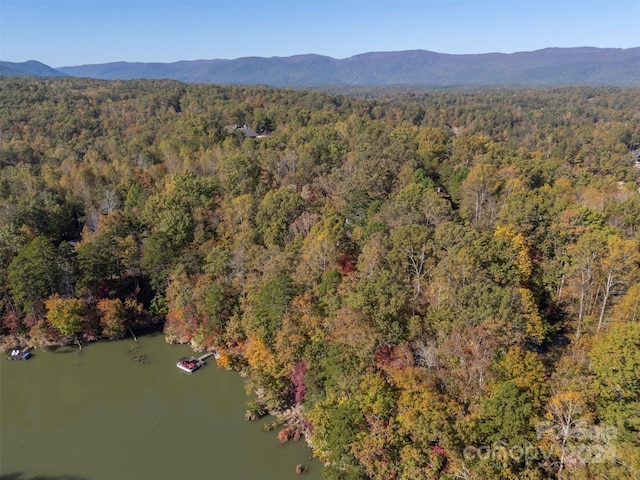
(69, 33)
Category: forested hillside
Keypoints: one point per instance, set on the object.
(424, 284)
(549, 66)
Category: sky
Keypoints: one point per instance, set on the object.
(78, 32)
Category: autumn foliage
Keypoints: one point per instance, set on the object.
(408, 278)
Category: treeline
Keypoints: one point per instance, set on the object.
(425, 284)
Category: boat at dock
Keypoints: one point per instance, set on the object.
(191, 364)
(18, 354)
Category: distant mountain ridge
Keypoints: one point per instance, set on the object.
(550, 66)
(30, 68)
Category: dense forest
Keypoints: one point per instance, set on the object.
(423, 284)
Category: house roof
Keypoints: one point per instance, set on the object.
(246, 129)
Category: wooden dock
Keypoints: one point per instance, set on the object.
(202, 358)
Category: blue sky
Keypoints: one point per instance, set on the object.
(65, 33)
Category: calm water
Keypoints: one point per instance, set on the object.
(99, 414)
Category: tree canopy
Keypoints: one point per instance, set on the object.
(424, 283)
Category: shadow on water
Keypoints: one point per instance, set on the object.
(60, 349)
(20, 476)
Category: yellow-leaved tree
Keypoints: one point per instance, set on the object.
(65, 314)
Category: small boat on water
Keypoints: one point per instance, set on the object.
(189, 364)
(18, 354)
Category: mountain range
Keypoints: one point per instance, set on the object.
(546, 67)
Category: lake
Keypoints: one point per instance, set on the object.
(98, 413)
